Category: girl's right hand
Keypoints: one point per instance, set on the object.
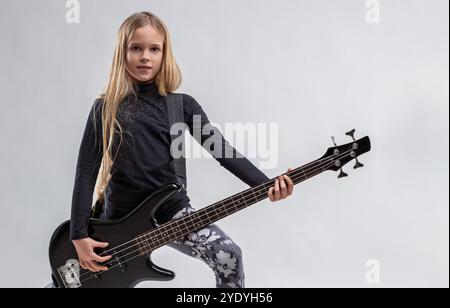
(88, 258)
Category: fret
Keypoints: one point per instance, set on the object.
(212, 214)
(157, 236)
(304, 175)
(220, 210)
(189, 221)
(185, 227)
(140, 245)
(145, 240)
(233, 204)
(137, 244)
(142, 242)
(176, 229)
(245, 200)
(193, 222)
(260, 195)
(151, 240)
(250, 195)
(197, 220)
(233, 210)
(241, 201)
(163, 230)
(253, 191)
(206, 217)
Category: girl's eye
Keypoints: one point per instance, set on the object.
(155, 49)
(135, 48)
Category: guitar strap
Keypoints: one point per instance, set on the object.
(176, 115)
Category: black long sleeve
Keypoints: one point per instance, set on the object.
(143, 162)
(88, 164)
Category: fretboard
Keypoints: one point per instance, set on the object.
(178, 228)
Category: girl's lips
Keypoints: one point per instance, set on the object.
(143, 67)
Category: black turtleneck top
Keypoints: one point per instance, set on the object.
(143, 162)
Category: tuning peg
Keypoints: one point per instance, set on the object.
(351, 134)
(334, 142)
(342, 174)
(357, 164)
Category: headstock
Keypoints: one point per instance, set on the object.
(340, 155)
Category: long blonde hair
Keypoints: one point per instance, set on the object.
(120, 85)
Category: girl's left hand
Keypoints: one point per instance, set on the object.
(283, 188)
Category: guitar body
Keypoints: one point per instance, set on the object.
(64, 258)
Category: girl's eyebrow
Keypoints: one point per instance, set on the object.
(154, 44)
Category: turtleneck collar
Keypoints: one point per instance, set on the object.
(146, 89)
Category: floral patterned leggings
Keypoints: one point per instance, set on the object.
(214, 247)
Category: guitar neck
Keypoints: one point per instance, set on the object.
(176, 229)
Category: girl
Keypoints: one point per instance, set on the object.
(136, 159)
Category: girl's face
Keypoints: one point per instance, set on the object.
(144, 54)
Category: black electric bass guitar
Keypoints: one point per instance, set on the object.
(133, 238)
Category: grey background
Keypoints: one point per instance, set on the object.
(316, 68)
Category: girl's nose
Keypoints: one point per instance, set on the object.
(145, 56)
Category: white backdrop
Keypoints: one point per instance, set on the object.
(316, 68)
